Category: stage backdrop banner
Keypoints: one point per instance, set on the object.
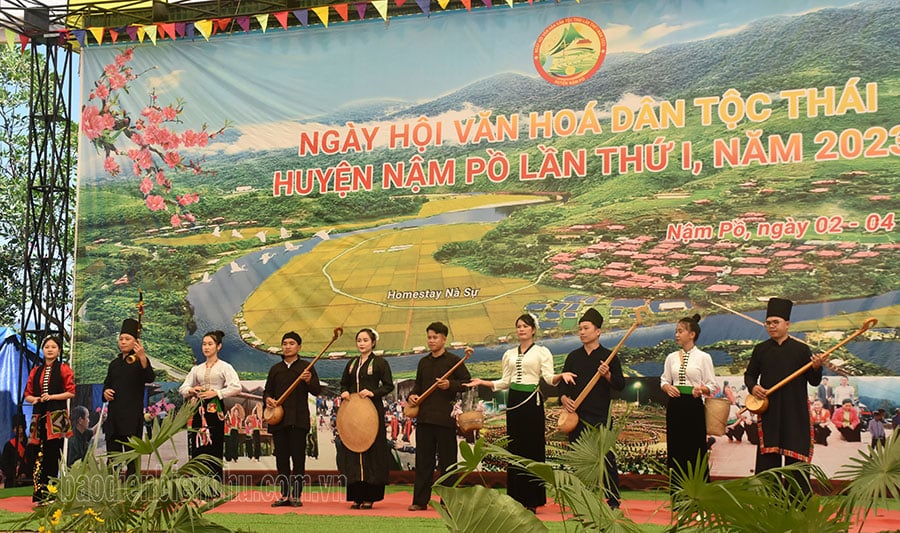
(467, 167)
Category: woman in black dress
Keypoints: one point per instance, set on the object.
(370, 377)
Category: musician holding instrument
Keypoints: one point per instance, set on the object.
(435, 429)
(49, 388)
(366, 376)
(123, 388)
(688, 375)
(208, 383)
(785, 427)
(289, 434)
(523, 367)
(584, 362)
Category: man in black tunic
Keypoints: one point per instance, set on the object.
(289, 435)
(584, 362)
(123, 388)
(435, 429)
(785, 434)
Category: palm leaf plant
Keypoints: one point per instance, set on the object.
(874, 480)
(576, 484)
(91, 496)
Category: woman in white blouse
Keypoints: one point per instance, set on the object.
(209, 383)
(523, 368)
(688, 375)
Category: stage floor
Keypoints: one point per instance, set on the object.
(395, 505)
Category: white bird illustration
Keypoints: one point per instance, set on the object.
(288, 247)
(217, 232)
(236, 234)
(265, 257)
(237, 268)
(261, 235)
(206, 278)
(285, 233)
(323, 234)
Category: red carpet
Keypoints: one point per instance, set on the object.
(259, 502)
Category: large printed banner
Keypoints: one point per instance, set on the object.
(694, 157)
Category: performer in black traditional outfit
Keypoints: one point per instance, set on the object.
(209, 383)
(50, 386)
(435, 428)
(369, 376)
(688, 375)
(289, 435)
(123, 388)
(523, 367)
(594, 410)
(785, 432)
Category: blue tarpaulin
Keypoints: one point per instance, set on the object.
(14, 367)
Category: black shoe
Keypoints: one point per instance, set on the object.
(355, 505)
(365, 505)
(283, 502)
(296, 503)
(416, 507)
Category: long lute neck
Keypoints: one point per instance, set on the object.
(433, 386)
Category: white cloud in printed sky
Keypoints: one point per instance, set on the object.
(165, 83)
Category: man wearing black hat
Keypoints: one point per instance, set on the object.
(594, 410)
(785, 426)
(289, 435)
(123, 388)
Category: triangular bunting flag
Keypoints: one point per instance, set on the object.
(222, 24)
(79, 36)
(244, 23)
(132, 32)
(23, 39)
(204, 27)
(381, 7)
(467, 4)
(341, 10)
(399, 3)
(10, 38)
(322, 13)
(281, 17)
(361, 10)
(488, 3)
(263, 19)
(189, 30)
(302, 16)
(169, 29)
(141, 32)
(443, 3)
(425, 6)
(180, 28)
(509, 3)
(97, 33)
(114, 35)
(151, 32)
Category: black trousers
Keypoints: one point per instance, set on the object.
(432, 440)
(51, 450)
(290, 459)
(612, 469)
(114, 444)
(768, 461)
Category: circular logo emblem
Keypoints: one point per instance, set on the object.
(569, 51)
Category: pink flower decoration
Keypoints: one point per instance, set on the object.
(175, 221)
(169, 113)
(146, 186)
(161, 178)
(117, 81)
(155, 202)
(190, 217)
(102, 91)
(111, 166)
(172, 159)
